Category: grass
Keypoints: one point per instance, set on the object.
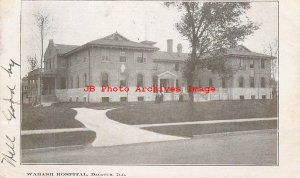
(57, 139)
(168, 112)
(52, 117)
(199, 129)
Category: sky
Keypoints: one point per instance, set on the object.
(78, 22)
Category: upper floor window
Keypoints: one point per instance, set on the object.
(263, 63)
(140, 80)
(140, 57)
(252, 64)
(199, 83)
(122, 56)
(210, 82)
(104, 55)
(263, 82)
(252, 85)
(241, 62)
(241, 82)
(177, 67)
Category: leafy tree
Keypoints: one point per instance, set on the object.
(210, 28)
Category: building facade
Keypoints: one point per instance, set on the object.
(116, 61)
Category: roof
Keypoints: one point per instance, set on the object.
(62, 48)
(242, 51)
(169, 57)
(118, 40)
(114, 40)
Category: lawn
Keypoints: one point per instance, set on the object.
(198, 129)
(168, 112)
(58, 115)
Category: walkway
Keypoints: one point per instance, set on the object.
(109, 132)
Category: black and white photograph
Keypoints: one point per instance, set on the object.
(149, 83)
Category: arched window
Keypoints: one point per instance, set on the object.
(71, 82)
(85, 79)
(155, 80)
(77, 82)
(263, 82)
(223, 82)
(210, 82)
(241, 82)
(104, 79)
(140, 80)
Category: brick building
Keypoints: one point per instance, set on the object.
(116, 61)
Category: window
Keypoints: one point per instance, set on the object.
(104, 55)
(70, 99)
(252, 82)
(77, 82)
(123, 83)
(242, 97)
(122, 56)
(264, 96)
(104, 79)
(263, 61)
(241, 63)
(253, 97)
(63, 83)
(252, 64)
(123, 99)
(105, 99)
(140, 57)
(85, 79)
(210, 82)
(77, 99)
(199, 83)
(177, 83)
(263, 82)
(140, 98)
(176, 67)
(155, 80)
(84, 99)
(140, 80)
(71, 82)
(241, 82)
(223, 82)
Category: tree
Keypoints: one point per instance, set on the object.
(210, 28)
(42, 23)
(32, 61)
(272, 50)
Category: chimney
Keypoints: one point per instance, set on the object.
(179, 49)
(51, 42)
(170, 45)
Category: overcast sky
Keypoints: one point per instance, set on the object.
(79, 22)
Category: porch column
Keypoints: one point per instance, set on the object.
(158, 81)
(174, 83)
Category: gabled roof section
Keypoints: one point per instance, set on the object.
(242, 51)
(62, 49)
(115, 36)
(115, 40)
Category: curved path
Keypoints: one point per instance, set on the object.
(109, 132)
